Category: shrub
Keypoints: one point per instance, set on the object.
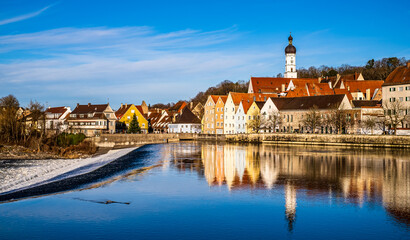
(69, 139)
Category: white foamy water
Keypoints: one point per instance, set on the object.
(24, 174)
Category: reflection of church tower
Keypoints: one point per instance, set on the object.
(290, 198)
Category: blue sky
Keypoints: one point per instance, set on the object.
(69, 51)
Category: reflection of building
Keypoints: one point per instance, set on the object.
(377, 176)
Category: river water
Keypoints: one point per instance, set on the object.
(192, 190)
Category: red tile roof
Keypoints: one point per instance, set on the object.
(56, 110)
(400, 75)
(238, 97)
(274, 85)
(362, 86)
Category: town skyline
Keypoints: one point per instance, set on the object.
(126, 57)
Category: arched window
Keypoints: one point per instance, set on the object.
(291, 69)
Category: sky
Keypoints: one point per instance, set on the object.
(65, 52)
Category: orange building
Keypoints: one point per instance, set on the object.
(219, 114)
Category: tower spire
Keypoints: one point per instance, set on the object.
(290, 53)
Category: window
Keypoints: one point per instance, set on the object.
(400, 88)
(408, 88)
(401, 99)
(128, 117)
(108, 115)
(81, 115)
(222, 116)
(133, 111)
(407, 98)
(143, 125)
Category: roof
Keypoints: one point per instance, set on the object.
(303, 103)
(122, 110)
(400, 75)
(268, 84)
(223, 98)
(89, 108)
(246, 104)
(56, 110)
(187, 117)
(362, 86)
(343, 91)
(366, 103)
(238, 97)
(178, 106)
(260, 104)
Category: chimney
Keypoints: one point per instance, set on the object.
(368, 94)
(126, 105)
(191, 105)
(319, 79)
(408, 64)
(283, 87)
(348, 88)
(89, 104)
(78, 104)
(121, 105)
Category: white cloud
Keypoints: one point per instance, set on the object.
(23, 17)
(97, 63)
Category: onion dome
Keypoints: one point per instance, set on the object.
(290, 48)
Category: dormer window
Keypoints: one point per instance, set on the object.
(90, 115)
(81, 115)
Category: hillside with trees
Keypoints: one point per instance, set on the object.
(372, 70)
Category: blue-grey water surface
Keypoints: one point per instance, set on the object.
(194, 190)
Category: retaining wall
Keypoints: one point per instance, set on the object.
(126, 140)
(324, 139)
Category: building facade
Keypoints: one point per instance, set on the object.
(92, 119)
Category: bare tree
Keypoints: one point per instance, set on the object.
(394, 113)
(38, 122)
(312, 119)
(271, 121)
(9, 124)
(369, 124)
(254, 124)
(341, 119)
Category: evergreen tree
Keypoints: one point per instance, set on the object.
(134, 125)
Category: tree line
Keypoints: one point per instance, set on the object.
(372, 70)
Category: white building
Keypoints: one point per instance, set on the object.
(240, 116)
(290, 66)
(396, 94)
(187, 122)
(55, 119)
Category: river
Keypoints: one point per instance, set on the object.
(193, 190)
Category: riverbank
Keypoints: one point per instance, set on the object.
(315, 139)
(20, 175)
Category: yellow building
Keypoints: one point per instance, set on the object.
(253, 119)
(126, 112)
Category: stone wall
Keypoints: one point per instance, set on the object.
(324, 139)
(126, 140)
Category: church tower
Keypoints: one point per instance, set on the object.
(290, 67)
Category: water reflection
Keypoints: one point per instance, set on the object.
(352, 176)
